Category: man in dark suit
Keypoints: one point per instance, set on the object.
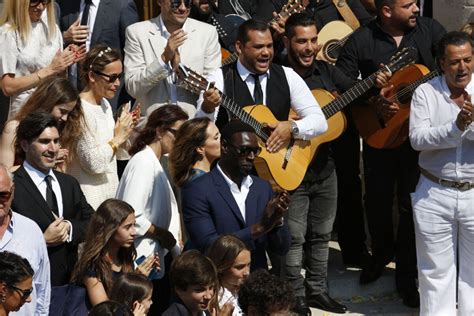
(52, 199)
(228, 200)
(98, 22)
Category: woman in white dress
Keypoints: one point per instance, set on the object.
(94, 164)
(31, 49)
(232, 259)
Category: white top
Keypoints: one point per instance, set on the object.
(23, 59)
(240, 195)
(24, 237)
(226, 296)
(94, 165)
(145, 186)
(446, 151)
(312, 122)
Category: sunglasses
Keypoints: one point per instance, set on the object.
(35, 3)
(175, 4)
(245, 151)
(5, 196)
(110, 78)
(23, 293)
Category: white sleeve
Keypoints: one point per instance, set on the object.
(218, 79)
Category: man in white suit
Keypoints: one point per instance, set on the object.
(154, 48)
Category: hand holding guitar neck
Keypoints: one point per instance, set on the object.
(464, 117)
(212, 99)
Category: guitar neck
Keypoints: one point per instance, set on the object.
(408, 90)
(350, 95)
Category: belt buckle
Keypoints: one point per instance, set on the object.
(462, 186)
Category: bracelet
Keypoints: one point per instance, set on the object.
(39, 77)
(113, 145)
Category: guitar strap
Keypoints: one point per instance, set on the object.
(346, 13)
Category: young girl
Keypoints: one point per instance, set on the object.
(109, 251)
(134, 290)
(232, 260)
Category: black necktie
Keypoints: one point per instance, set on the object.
(257, 90)
(85, 13)
(50, 196)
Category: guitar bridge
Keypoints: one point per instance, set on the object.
(289, 149)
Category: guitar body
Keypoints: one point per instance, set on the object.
(394, 132)
(336, 123)
(271, 166)
(330, 37)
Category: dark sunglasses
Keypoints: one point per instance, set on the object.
(35, 3)
(5, 196)
(245, 151)
(110, 78)
(23, 293)
(175, 4)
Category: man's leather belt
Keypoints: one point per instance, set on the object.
(461, 186)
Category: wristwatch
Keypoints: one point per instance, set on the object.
(294, 129)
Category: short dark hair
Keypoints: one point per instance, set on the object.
(110, 308)
(131, 287)
(31, 127)
(298, 19)
(235, 126)
(263, 291)
(250, 25)
(380, 3)
(13, 268)
(192, 268)
(455, 38)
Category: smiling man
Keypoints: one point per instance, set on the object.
(52, 199)
(155, 47)
(441, 129)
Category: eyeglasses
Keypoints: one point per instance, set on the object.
(5, 196)
(35, 3)
(175, 4)
(172, 131)
(23, 293)
(245, 151)
(110, 78)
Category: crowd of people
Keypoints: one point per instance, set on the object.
(129, 185)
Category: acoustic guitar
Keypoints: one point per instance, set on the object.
(292, 7)
(332, 37)
(392, 133)
(332, 106)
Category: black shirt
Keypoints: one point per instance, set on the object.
(369, 46)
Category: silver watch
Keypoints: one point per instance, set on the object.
(294, 129)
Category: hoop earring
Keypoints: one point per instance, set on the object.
(2, 299)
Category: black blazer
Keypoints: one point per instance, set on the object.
(29, 202)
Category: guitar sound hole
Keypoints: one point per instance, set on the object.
(403, 95)
(333, 49)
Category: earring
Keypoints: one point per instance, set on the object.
(2, 299)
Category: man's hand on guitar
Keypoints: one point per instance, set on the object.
(280, 135)
(212, 99)
(385, 107)
(277, 27)
(382, 78)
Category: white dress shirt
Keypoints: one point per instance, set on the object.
(94, 7)
(24, 237)
(446, 151)
(312, 121)
(240, 195)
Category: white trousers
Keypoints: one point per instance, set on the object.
(444, 228)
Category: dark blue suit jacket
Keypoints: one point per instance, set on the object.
(210, 210)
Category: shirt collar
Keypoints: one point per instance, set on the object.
(164, 30)
(36, 175)
(447, 92)
(246, 182)
(244, 72)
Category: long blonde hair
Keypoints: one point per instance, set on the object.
(15, 13)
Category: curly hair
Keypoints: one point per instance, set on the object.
(102, 227)
(13, 268)
(191, 135)
(263, 291)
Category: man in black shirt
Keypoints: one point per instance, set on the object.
(397, 26)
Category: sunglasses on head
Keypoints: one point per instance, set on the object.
(34, 3)
(110, 78)
(23, 293)
(175, 4)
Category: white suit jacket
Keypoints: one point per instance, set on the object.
(145, 75)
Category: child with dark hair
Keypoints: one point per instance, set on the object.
(111, 308)
(265, 294)
(134, 290)
(194, 279)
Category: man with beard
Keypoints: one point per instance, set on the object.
(397, 26)
(154, 48)
(228, 200)
(441, 129)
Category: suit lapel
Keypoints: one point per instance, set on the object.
(251, 206)
(158, 44)
(189, 43)
(224, 191)
(100, 19)
(62, 186)
(24, 179)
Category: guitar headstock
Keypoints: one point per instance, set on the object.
(190, 80)
(402, 58)
(291, 7)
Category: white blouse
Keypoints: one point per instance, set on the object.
(24, 58)
(94, 165)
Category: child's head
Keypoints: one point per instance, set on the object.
(110, 308)
(132, 288)
(232, 260)
(194, 279)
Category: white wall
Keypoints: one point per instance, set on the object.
(453, 13)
